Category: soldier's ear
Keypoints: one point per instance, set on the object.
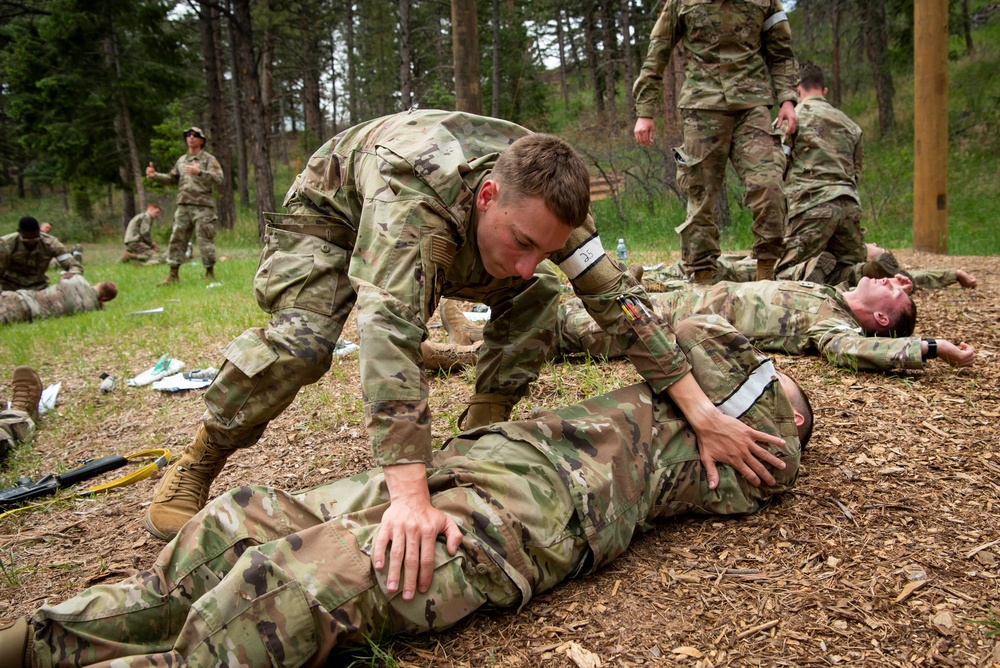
(881, 318)
(799, 418)
(488, 193)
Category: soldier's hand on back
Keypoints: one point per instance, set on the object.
(726, 440)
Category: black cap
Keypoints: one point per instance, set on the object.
(27, 224)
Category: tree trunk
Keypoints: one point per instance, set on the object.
(405, 58)
(352, 57)
(967, 28)
(628, 70)
(608, 54)
(835, 56)
(876, 47)
(239, 118)
(257, 119)
(465, 56)
(561, 40)
(590, 35)
(123, 127)
(495, 105)
(208, 19)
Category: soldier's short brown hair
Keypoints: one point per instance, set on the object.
(811, 76)
(545, 165)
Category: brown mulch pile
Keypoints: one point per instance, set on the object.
(882, 556)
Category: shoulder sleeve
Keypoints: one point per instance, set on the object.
(647, 89)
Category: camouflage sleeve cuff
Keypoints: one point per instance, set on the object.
(644, 110)
(400, 431)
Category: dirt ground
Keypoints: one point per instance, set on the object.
(882, 555)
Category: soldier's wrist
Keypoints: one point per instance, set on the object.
(932, 349)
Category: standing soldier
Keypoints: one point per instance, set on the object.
(139, 244)
(392, 215)
(739, 56)
(194, 174)
(25, 256)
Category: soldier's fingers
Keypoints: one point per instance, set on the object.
(426, 562)
(768, 457)
(759, 469)
(378, 549)
(396, 554)
(453, 536)
(411, 565)
(764, 437)
(711, 472)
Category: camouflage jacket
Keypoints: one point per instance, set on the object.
(193, 189)
(738, 55)
(826, 157)
(629, 457)
(793, 318)
(140, 228)
(23, 268)
(405, 185)
(68, 296)
(743, 269)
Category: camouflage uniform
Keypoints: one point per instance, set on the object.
(824, 208)
(743, 269)
(23, 268)
(383, 214)
(739, 57)
(195, 206)
(68, 296)
(778, 316)
(15, 427)
(139, 238)
(262, 577)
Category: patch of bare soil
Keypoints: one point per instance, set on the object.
(882, 555)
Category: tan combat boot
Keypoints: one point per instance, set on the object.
(172, 277)
(765, 270)
(210, 273)
(821, 267)
(27, 388)
(703, 277)
(448, 357)
(183, 491)
(15, 650)
(485, 409)
(883, 266)
(460, 329)
(126, 256)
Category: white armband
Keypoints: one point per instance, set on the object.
(773, 20)
(740, 401)
(583, 257)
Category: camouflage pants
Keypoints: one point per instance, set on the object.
(711, 138)
(13, 308)
(198, 220)
(144, 252)
(15, 427)
(261, 577)
(833, 227)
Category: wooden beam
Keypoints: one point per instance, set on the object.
(930, 126)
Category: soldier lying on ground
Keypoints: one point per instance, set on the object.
(866, 328)
(25, 255)
(68, 296)
(264, 577)
(880, 264)
(17, 423)
(391, 215)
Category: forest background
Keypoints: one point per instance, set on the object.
(93, 90)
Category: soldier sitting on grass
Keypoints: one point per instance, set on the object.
(25, 255)
(265, 577)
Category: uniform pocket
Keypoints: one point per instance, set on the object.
(299, 271)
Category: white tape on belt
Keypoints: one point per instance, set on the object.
(63, 257)
(740, 401)
(583, 258)
(773, 20)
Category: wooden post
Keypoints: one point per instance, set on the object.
(930, 126)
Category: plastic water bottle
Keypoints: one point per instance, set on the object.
(107, 383)
(621, 251)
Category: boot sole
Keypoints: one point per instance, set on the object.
(156, 532)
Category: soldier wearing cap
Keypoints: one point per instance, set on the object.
(195, 174)
(25, 256)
